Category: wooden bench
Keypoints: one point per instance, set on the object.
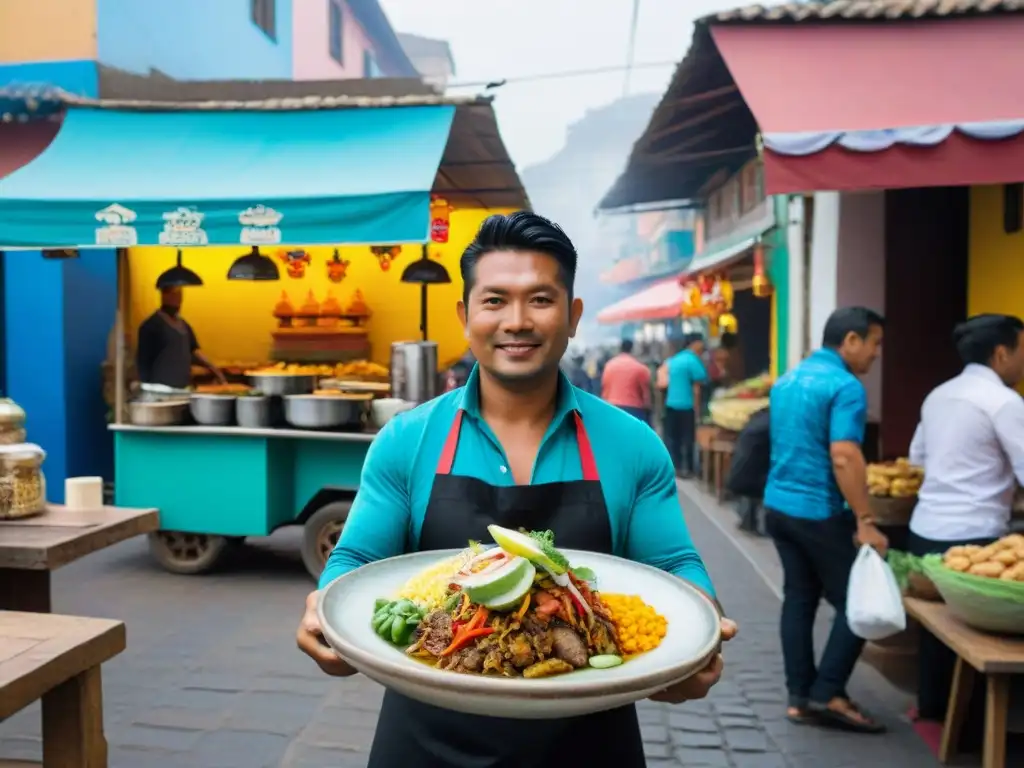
(57, 659)
(32, 547)
(996, 657)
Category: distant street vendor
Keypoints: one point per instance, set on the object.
(168, 346)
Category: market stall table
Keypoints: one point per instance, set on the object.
(30, 548)
(57, 659)
(996, 657)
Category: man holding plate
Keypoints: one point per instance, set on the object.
(518, 436)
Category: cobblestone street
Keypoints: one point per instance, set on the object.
(211, 677)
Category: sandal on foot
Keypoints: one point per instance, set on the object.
(847, 721)
(800, 716)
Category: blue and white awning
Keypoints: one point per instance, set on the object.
(122, 177)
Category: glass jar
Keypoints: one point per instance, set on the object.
(22, 484)
(12, 422)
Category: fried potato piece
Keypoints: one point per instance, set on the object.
(958, 563)
(991, 570)
(984, 554)
(957, 551)
(1013, 573)
(1007, 557)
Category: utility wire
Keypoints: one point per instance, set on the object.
(631, 48)
(564, 74)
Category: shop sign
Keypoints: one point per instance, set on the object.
(116, 230)
(259, 225)
(183, 226)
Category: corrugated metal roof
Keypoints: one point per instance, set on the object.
(862, 10)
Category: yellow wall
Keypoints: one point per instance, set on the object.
(47, 30)
(233, 320)
(995, 273)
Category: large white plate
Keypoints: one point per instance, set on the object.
(346, 608)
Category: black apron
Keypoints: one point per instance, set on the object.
(415, 735)
(173, 364)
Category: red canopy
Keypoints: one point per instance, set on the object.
(857, 106)
(661, 301)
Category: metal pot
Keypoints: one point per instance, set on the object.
(325, 411)
(166, 414)
(414, 375)
(283, 384)
(253, 411)
(213, 410)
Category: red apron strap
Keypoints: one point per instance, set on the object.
(447, 460)
(587, 462)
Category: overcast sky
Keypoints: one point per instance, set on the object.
(494, 39)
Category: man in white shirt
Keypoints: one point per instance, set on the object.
(970, 442)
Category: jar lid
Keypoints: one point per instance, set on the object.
(22, 451)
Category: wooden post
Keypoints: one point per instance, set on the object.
(119, 322)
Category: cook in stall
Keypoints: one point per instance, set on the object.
(168, 346)
(970, 442)
(518, 446)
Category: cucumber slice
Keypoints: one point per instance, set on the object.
(483, 587)
(514, 596)
(607, 661)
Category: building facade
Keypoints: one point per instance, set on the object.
(197, 40)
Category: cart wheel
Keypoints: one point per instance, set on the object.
(188, 553)
(321, 533)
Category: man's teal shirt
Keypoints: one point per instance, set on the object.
(636, 474)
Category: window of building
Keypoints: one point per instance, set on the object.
(370, 68)
(264, 16)
(335, 30)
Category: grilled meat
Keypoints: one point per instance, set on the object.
(569, 646)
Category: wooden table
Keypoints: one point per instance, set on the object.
(33, 547)
(997, 657)
(57, 659)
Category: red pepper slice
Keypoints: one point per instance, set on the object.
(578, 605)
(463, 639)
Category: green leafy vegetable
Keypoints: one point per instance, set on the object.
(584, 574)
(903, 564)
(546, 541)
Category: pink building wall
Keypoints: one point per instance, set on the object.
(311, 49)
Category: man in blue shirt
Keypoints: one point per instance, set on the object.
(521, 447)
(681, 376)
(818, 413)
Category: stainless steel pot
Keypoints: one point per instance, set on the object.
(163, 414)
(213, 410)
(283, 384)
(325, 412)
(253, 412)
(414, 371)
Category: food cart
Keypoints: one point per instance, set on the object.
(174, 180)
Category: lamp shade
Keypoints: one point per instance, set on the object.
(254, 266)
(425, 272)
(178, 277)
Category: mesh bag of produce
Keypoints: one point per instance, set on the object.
(994, 605)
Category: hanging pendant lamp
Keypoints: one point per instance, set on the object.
(425, 272)
(178, 277)
(254, 266)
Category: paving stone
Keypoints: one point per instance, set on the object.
(21, 748)
(652, 716)
(149, 737)
(763, 760)
(746, 740)
(656, 734)
(697, 740)
(179, 718)
(690, 722)
(728, 722)
(337, 736)
(657, 751)
(702, 758)
(735, 710)
(240, 749)
(305, 756)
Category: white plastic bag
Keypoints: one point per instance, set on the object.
(874, 603)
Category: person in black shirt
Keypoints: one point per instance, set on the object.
(168, 346)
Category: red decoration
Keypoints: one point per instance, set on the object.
(385, 255)
(295, 262)
(337, 268)
(440, 215)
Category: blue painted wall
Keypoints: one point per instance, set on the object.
(58, 317)
(193, 39)
(79, 77)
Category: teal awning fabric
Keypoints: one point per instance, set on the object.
(116, 177)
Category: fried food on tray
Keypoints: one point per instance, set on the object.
(899, 479)
(517, 609)
(1003, 559)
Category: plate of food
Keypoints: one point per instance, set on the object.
(517, 628)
